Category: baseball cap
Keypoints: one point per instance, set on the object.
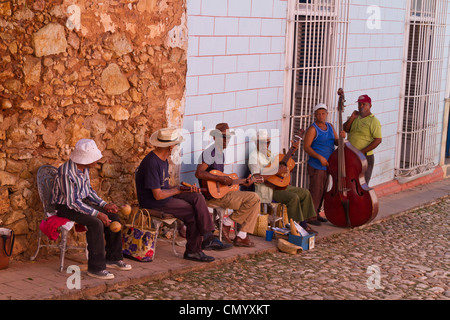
(320, 106)
(364, 98)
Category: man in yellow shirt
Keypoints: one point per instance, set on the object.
(364, 132)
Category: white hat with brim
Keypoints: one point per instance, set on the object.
(320, 106)
(166, 137)
(85, 152)
(262, 135)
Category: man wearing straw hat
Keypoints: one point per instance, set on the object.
(298, 201)
(76, 200)
(154, 192)
(245, 204)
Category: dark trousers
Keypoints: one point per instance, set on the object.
(191, 208)
(317, 186)
(96, 236)
(370, 163)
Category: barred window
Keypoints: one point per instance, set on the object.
(317, 43)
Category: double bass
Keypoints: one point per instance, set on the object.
(349, 202)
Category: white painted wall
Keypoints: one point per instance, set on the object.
(236, 61)
(235, 70)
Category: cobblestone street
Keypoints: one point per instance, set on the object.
(404, 257)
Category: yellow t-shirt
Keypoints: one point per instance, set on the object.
(363, 131)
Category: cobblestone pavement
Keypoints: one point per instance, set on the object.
(404, 257)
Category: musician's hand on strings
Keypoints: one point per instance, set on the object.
(248, 182)
(282, 170)
(226, 180)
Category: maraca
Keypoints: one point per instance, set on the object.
(125, 209)
(115, 226)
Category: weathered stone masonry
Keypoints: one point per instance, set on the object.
(113, 71)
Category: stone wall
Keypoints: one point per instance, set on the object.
(113, 71)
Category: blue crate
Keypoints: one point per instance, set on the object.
(306, 242)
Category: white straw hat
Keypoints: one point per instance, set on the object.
(261, 135)
(85, 152)
(166, 137)
(320, 106)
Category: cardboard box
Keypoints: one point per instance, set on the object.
(306, 242)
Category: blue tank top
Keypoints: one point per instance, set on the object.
(323, 144)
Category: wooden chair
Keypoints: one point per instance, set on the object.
(45, 179)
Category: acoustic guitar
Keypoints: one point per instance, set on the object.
(280, 182)
(217, 190)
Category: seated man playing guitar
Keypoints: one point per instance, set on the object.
(246, 204)
(300, 206)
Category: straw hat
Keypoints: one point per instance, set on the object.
(287, 247)
(166, 137)
(261, 135)
(221, 129)
(85, 152)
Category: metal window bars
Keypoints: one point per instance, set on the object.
(418, 123)
(316, 57)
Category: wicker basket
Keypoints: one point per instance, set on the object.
(261, 226)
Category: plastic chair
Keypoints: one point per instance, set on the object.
(160, 219)
(45, 179)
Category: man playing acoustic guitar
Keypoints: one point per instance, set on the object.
(246, 204)
(298, 201)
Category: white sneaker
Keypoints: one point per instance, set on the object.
(103, 275)
(119, 265)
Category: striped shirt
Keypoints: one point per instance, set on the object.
(72, 186)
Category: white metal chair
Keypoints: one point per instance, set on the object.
(218, 215)
(45, 179)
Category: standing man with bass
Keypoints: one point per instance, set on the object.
(364, 132)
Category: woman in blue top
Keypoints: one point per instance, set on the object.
(319, 142)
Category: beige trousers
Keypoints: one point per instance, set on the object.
(246, 207)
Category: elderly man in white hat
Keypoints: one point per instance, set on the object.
(76, 200)
(154, 192)
(297, 200)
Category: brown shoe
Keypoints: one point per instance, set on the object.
(226, 234)
(311, 230)
(238, 242)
